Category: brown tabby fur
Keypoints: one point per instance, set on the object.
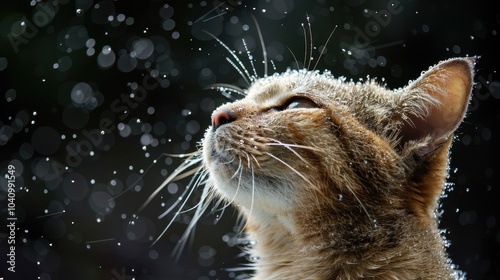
(347, 189)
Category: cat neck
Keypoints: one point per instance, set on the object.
(322, 240)
(397, 248)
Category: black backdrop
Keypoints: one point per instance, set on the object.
(92, 93)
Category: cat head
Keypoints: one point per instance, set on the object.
(301, 136)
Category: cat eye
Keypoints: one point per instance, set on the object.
(300, 103)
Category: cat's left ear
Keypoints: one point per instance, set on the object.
(441, 96)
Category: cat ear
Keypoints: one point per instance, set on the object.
(440, 97)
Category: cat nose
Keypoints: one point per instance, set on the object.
(221, 117)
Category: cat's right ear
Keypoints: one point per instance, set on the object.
(437, 102)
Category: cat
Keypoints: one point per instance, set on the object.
(340, 180)
(335, 179)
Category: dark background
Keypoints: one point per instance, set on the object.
(67, 73)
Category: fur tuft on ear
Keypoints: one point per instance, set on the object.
(442, 94)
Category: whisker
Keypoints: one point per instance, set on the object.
(323, 49)
(215, 208)
(241, 222)
(311, 43)
(187, 210)
(190, 229)
(390, 44)
(305, 45)
(100, 240)
(147, 170)
(250, 58)
(181, 198)
(239, 70)
(191, 190)
(294, 58)
(256, 161)
(248, 159)
(216, 16)
(297, 154)
(289, 147)
(290, 167)
(274, 66)
(278, 143)
(222, 87)
(253, 193)
(240, 171)
(237, 170)
(219, 202)
(51, 214)
(178, 174)
(206, 14)
(239, 269)
(230, 161)
(182, 155)
(361, 204)
(196, 180)
(228, 95)
(222, 209)
(261, 39)
(247, 77)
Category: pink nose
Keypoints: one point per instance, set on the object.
(221, 117)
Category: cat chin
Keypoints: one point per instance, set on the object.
(249, 192)
(218, 159)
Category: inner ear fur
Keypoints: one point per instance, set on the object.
(444, 91)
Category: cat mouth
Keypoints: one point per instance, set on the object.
(232, 149)
(217, 152)
(222, 158)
